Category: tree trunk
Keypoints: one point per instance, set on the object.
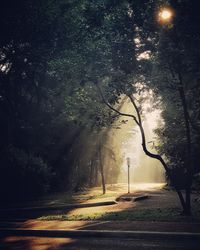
(189, 169)
(91, 181)
(95, 174)
(187, 210)
(138, 121)
(101, 169)
(159, 158)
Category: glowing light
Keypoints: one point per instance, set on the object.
(165, 15)
(144, 56)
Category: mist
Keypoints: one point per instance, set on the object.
(124, 141)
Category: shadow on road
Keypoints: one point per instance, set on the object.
(31, 243)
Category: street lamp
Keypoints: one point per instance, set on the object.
(165, 15)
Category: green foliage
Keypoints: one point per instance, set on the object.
(23, 174)
(53, 54)
(175, 70)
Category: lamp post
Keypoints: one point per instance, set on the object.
(128, 164)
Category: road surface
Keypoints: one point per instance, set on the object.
(36, 243)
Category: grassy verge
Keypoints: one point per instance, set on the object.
(93, 194)
(156, 214)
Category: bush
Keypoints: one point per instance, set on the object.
(23, 175)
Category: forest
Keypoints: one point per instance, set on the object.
(66, 67)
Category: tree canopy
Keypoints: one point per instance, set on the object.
(61, 61)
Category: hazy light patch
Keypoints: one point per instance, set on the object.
(144, 56)
(4, 68)
(143, 169)
(137, 42)
(147, 186)
(135, 187)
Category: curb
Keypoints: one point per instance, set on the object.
(100, 234)
(133, 199)
(68, 206)
(142, 197)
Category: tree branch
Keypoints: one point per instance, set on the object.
(155, 156)
(114, 109)
(136, 109)
(146, 151)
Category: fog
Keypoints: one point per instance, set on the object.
(124, 140)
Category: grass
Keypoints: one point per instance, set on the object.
(65, 198)
(93, 196)
(88, 194)
(156, 214)
(170, 212)
(112, 192)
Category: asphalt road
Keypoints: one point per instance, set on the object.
(36, 243)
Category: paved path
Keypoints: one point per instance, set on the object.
(141, 234)
(33, 243)
(106, 225)
(103, 229)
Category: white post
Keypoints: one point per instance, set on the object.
(128, 164)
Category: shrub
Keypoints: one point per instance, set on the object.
(23, 175)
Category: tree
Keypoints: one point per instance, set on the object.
(176, 50)
(59, 51)
(44, 58)
(177, 68)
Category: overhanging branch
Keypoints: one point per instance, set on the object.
(114, 109)
(138, 121)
